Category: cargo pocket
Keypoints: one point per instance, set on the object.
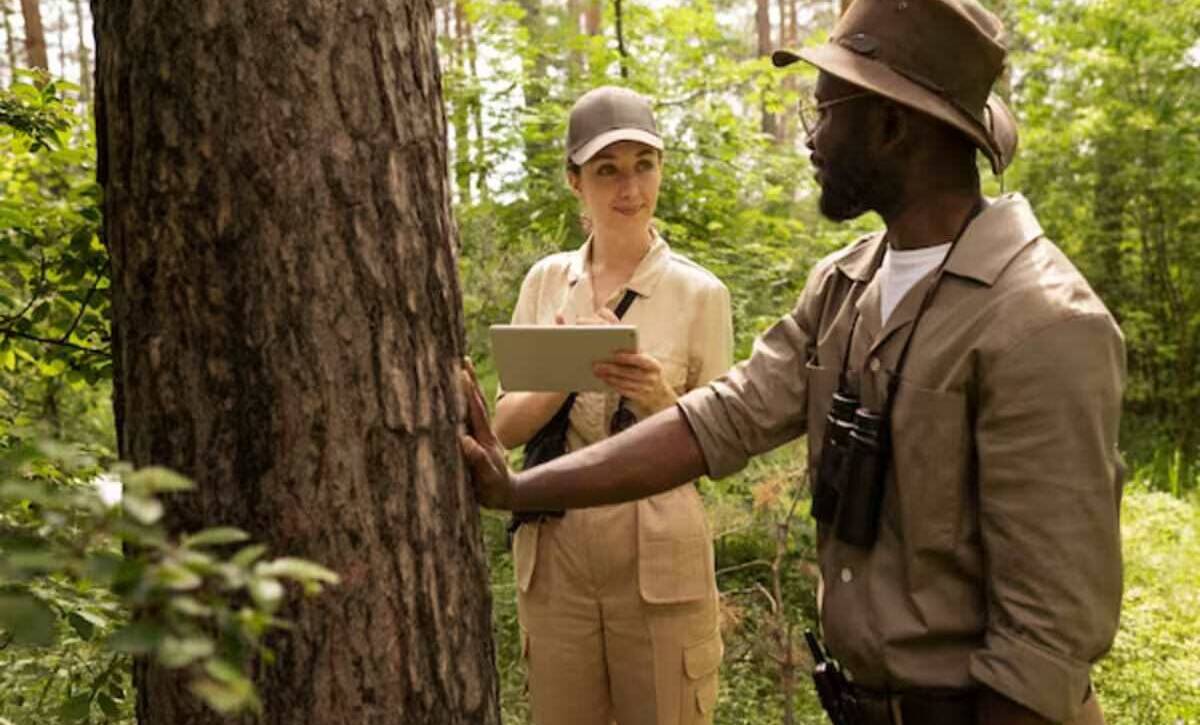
(701, 662)
(525, 550)
(675, 557)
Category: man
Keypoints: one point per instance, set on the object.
(982, 578)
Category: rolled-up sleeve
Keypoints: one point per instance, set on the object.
(760, 403)
(1049, 498)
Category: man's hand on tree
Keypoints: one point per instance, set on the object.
(485, 457)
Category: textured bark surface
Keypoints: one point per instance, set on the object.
(35, 36)
(288, 328)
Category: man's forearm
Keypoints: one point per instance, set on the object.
(653, 456)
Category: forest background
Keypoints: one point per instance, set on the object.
(1108, 94)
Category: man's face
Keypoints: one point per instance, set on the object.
(854, 176)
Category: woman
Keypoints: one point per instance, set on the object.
(618, 604)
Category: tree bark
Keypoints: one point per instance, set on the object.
(85, 62)
(460, 106)
(287, 332)
(479, 166)
(762, 24)
(35, 37)
(593, 17)
(787, 39)
(10, 45)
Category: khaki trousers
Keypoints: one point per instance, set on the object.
(596, 651)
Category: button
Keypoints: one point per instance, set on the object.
(875, 365)
(847, 575)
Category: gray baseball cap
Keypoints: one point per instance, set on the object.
(608, 114)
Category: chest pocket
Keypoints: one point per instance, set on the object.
(931, 459)
(822, 383)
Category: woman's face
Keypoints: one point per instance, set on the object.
(619, 187)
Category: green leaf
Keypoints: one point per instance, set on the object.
(28, 619)
(76, 708)
(175, 652)
(226, 697)
(248, 555)
(136, 638)
(266, 592)
(300, 570)
(190, 606)
(82, 627)
(176, 577)
(107, 706)
(103, 566)
(155, 479)
(144, 510)
(223, 670)
(216, 536)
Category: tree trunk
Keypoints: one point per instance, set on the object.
(85, 62)
(762, 24)
(10, 45)
(480, 164)
(35, 37)
(62, 42)
(287, 332)
(460, 106)
(593, 17)
(787, 39)
(539, 159)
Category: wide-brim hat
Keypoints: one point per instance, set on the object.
(941, 57)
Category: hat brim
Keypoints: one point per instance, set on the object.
(608, 138)
(998, 141)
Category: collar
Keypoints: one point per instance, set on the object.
(1006, 227)
(989, 243)
(646, 275)
(859, 261)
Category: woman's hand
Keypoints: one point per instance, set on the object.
(639, 378)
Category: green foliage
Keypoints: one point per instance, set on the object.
(86, 584)
(733, 198)
(1108, 96)
(1152, 674)
(54, 275)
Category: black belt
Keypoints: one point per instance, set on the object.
(917, 706)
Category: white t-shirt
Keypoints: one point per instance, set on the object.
(902, 269)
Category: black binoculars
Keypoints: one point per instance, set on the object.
(848, 490)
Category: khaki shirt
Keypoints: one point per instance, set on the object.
(998, 560)
(682, 314)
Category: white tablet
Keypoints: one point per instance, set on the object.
(556, 357)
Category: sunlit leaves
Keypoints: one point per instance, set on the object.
(197, 602)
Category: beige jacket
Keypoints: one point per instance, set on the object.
(682, 313)
(999, 558)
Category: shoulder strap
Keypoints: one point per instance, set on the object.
(626, 301)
